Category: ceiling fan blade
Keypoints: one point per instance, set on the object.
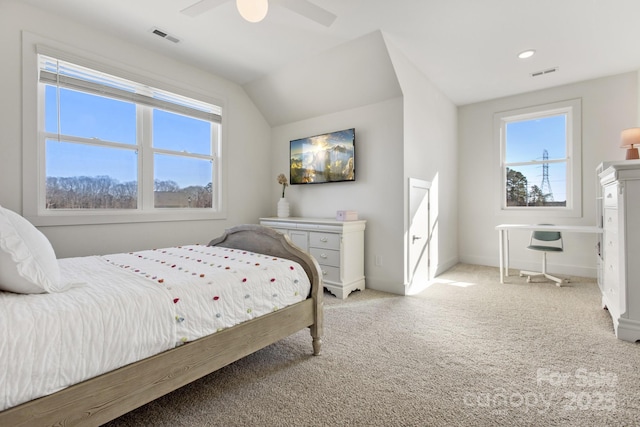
(201, 7)
(311, 11)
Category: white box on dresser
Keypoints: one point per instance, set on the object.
(620, 247)
(338, 246)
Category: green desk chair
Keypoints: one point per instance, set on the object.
(544, 241)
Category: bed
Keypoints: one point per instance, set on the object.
(183, 356)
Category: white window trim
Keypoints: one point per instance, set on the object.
(573, 109)
(33, 161)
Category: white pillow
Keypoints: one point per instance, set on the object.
(28, 264)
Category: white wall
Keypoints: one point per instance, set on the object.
(245, 147)
(430, 154)
(608, 106)
(376, 194)
(253, 151)
(350, 75)
(363, 92)
(409, 132)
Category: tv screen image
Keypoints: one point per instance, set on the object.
(329, 157)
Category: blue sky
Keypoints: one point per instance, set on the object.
(90, 116)
(321, 142)
(526, 141)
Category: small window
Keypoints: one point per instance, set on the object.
(540, 158)
(114, 145)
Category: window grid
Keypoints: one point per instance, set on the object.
(555, 185)
(146, 197)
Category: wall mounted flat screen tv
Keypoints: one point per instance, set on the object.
(329, 157)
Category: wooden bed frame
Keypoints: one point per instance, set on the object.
(106, 397)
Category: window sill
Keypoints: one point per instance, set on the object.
(120, 217)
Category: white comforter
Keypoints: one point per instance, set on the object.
(125, 307)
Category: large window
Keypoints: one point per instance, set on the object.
(111, 146)
(540, 158)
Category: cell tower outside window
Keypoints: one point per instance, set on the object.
(545, 187)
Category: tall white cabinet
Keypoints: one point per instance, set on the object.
(338, 246)
(619, 278)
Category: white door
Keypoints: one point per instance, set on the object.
(418, 239)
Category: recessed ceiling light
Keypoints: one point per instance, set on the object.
(526, 54)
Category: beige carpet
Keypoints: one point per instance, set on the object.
(467, 351)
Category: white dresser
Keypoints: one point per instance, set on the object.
(338, 246)
(619, 280)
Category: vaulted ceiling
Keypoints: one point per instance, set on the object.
(467, 48)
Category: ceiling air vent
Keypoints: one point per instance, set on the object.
(543, 72)
(165, 35)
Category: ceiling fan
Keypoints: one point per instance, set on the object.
(256, 10)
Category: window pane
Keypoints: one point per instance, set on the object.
(526, 140)
(176, 132)
(50, 109)
(81, 176)
(92, 116)
(182, 182)
(537, 185)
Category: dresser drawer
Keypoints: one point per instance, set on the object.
(330, 274)
(324, 240)
(610, 220)
(610, 242)
(610, 195)
(326, 256)
(611, 268)
(337, 246)
(611, 279)
(611, 262)
(610, 271)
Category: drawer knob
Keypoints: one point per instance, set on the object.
(323, 255)
(324, 239)
(324, 273)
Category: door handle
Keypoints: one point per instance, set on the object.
(414, 238)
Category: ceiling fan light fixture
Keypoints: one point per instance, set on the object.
(253, 10)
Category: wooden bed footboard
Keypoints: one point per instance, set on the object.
(103, 398)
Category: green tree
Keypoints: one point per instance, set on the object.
(516, 188)
(537, 197)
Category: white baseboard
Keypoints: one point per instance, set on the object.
(383, 286)
(515, 264)
(444, 266)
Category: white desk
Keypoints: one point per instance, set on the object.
(503, 235)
